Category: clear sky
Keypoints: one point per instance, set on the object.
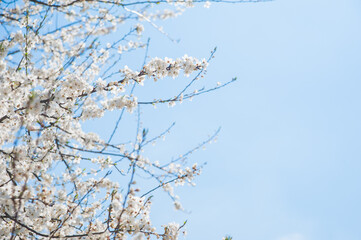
(287, 164)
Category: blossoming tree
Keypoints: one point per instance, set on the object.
(59, 67)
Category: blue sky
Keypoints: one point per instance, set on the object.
(287, 162)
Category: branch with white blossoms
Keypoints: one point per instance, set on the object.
(63, 63)
(161, 68)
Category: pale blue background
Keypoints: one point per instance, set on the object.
(287, 165)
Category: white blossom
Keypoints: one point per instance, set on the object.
(58, 180)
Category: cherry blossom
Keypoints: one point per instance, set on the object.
(59, 67)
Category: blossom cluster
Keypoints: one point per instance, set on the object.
(160, 68)
(56, 179)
